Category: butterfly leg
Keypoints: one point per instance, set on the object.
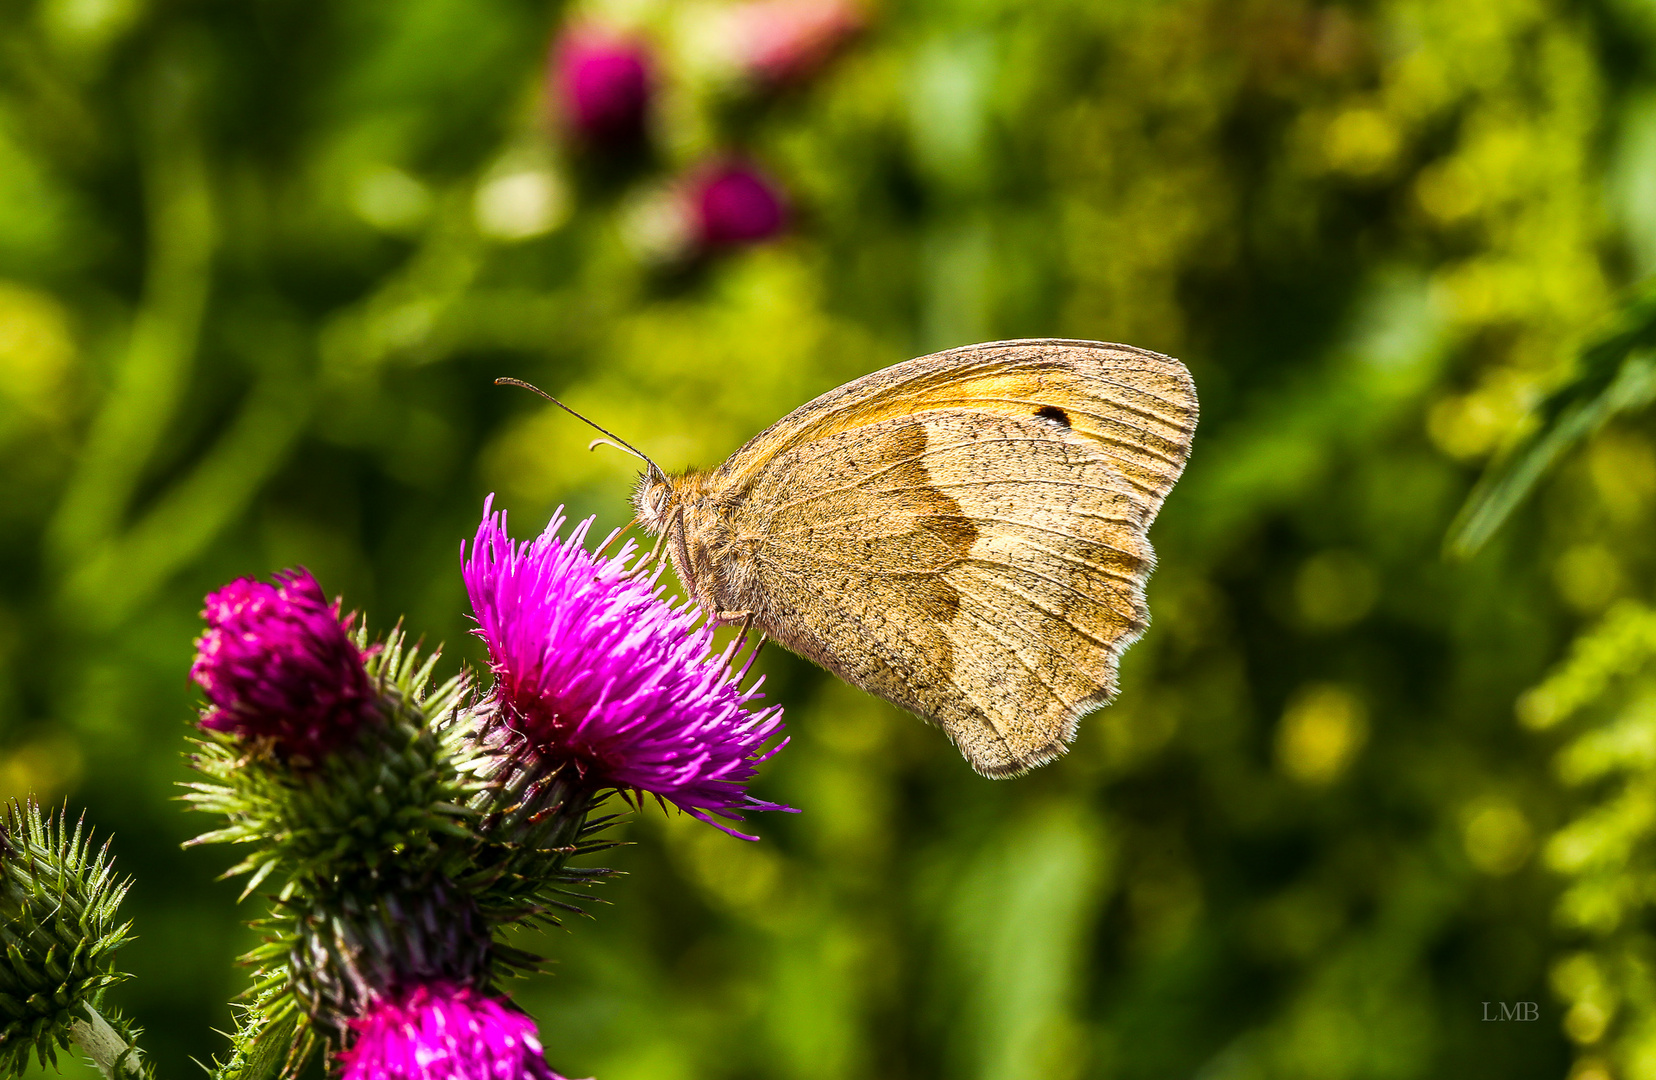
(747, 624)
(647, 560)
(725, 618)
(740, 642)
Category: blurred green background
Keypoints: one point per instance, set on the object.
(260, 261)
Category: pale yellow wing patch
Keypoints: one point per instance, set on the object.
(1138, 407)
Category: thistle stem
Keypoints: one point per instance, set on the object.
(114, 1056)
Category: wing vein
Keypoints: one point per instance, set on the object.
(1060, 532)
(1107, 646)
(909, 459)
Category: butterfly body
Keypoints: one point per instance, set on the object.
(963, 534)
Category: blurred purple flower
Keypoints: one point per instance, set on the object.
(277, 663)
(443, 1031)
(788, 41)
(602, 84)
(592, 667)
(734, 203)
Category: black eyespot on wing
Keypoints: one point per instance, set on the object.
(1053, 413)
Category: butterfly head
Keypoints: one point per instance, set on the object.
(654, 500)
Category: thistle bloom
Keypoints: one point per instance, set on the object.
(278, 663)
(442, 1031)
(592, 667)
(602, 85)
(734, 203)
(787, 41)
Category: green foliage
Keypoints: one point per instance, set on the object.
(1606, 852)
(1615, 374)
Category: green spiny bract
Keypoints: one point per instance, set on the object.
(328, 956)
(59, 901)
(260, 1048)
(397, 795)
(325, 958)
(532, 821)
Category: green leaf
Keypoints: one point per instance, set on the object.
(1615, 374)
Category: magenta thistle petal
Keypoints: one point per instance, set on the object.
(594, 668)
(277, 663)
(442, 1031)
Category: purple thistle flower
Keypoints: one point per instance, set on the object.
(592, 667)
(787, 41)
(734, 203)
(443, 1031)
(601, 85)
(277, 663)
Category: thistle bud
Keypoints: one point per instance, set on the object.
(59, 903)
(279, 668)
(734, 204)
(385, 795)
(344, 952)
(601, 86)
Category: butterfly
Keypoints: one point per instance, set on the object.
(963, 534)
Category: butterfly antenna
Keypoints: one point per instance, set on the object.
(610, 437)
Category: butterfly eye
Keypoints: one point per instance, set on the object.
(651, 502)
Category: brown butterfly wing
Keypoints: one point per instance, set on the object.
(965, 534)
